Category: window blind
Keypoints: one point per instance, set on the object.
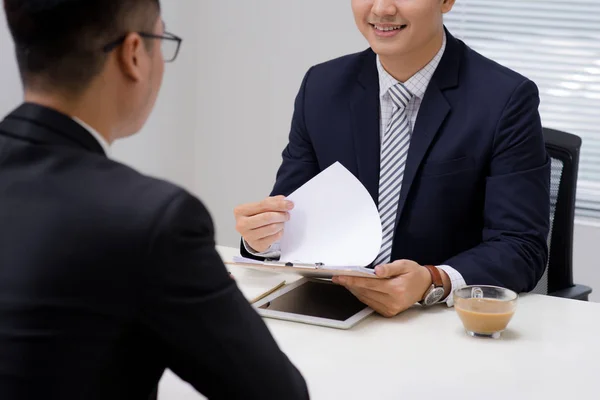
(555, 43)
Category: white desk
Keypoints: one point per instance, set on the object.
(552, 347)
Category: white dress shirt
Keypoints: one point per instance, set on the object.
(103, 142)
(417, 85)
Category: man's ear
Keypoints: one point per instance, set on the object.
(447, 5)
(129, 56)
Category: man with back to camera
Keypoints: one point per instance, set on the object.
(107, 277)
(448, 143)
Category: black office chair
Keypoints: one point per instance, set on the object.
(563, 149)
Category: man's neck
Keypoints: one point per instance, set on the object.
(81, 109)
(405, 66)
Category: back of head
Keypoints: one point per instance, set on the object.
(76, 55)
(59, 43)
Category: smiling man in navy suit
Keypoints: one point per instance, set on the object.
(448, 143)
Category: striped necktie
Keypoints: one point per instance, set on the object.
(394, 151)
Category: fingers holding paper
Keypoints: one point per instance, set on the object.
(261, 224)
(405, 285)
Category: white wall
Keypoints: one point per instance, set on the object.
(253, 55)
(586, 263)
(165, 147)
(10, 85)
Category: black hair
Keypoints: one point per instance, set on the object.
(59, 44)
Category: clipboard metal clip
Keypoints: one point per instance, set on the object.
(269, 261)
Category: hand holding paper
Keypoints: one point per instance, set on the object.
(261, 224)
(334, 225)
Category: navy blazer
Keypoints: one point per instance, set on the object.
(475, 194)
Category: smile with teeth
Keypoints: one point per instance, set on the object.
(388, 28)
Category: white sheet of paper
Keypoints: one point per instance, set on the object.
(334, 221)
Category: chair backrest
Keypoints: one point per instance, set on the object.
(563, 149)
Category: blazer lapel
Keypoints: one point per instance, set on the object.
(433, 111)
(364, 107)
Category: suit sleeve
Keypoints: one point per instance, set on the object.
(210, 335)
(299, 161)
(514, 250)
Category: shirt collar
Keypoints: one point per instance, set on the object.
(418, 83)
(95, 134)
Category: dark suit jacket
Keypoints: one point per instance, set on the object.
(476, 185)
(107, 277)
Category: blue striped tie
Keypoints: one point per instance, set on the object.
(394, 151)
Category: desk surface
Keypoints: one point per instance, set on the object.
(550, 349)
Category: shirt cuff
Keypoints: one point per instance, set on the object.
(456, 282)
(272, 252)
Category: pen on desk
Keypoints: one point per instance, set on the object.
(268, 292)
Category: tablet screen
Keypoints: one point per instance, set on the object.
(317, 299)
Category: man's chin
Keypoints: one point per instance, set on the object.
(387, 50)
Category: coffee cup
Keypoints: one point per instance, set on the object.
(485, 311)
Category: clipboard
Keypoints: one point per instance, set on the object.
(309, 270)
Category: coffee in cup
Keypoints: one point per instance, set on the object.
(485, 311)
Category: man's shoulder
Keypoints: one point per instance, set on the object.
(487, 72)
(129, 182)
(348, 61)
(333, 80)
(117, 190)
(342, 69)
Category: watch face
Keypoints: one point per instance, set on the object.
(434, 296)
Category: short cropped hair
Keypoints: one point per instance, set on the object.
(59, 44)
